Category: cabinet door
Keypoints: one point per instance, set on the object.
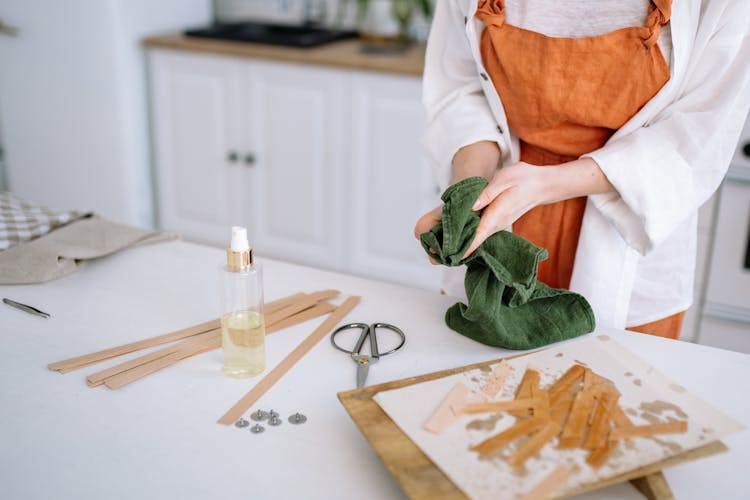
(195, 135)
(293, 131)
(392, 185)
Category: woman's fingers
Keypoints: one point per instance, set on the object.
(496, 217)
(428, 221)
(495, 188)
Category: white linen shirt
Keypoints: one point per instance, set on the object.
(635, 260)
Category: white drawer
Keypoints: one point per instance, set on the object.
(728, 292)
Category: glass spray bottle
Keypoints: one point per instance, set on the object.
(242, 321)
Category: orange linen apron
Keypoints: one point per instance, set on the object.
(565, 97)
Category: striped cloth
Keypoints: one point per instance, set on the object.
(21, 221)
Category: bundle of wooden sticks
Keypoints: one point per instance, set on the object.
(188, 342)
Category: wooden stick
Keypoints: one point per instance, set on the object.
(600, 455)
(497, 379)
(495, 406)
(145, 365)
(541, 409)
(561, 410)
(270, 307)
(529, 381)
(98, 378)
(121, 379)
(566, 382)
(443, 416)
(549, 485)
(620, 418)
(535, 443)
(671, 427)
(597, 436)
(71, 364)
(571, 436)
(521, 428)
(274, 375)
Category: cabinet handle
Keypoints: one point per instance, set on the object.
(249, 159)
(746, 150)
(232, 157)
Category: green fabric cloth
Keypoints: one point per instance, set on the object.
(507, 306)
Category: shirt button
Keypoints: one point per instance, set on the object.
(484, 76)
(500, 129)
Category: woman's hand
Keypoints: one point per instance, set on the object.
(516, 189)
(427, 222)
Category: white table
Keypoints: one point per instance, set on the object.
(157, 438)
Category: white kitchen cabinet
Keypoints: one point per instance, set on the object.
(196, 130)
(392, 185)
(322, 165)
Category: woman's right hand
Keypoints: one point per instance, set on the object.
(427, 222)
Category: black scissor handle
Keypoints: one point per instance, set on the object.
(368, 330)
(393, 328)
(360, 341)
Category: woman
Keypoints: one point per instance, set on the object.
(602, 127)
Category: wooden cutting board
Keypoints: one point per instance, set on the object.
(420, 478)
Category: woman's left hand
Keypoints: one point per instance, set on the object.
(516, 189)
(513, 191)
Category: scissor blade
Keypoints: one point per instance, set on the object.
(363, 368)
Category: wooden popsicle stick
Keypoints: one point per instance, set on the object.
(671, 427)
(324, 294)
(549, 485)
(597, 436)
(72, 364)
(290, 310)
(600, 455)
(444, 416)
(121, 379)
(561, 409)
(495, 406)
(497, 379)
(576, 424)
(279, 370)
(535, 443)
(277, 304)
(517, 430)
(96, 379)
(151, 363)
(541, 409)
(566, 382)
(524, 391)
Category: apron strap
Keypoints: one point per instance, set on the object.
(491, 12)
(659, 15)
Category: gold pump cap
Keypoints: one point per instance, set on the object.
(239, 253)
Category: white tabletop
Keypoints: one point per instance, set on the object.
(157, 438)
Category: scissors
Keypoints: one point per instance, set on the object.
(364, 361)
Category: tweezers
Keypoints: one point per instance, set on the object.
(26, 308)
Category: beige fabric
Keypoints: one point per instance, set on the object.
(60, 252)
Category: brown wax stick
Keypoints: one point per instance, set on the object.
(517, 430)
(620, 418)
(525, 389)
(597, 436)
(672, 427)
(576, 424)
(561, 409)
(566, 382)
(274, 375)
(535, 443)
(600, 455)
(495, 406)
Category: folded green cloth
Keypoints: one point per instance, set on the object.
(508, 307)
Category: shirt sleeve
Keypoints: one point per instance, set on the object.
(663, 172)
(457, 111)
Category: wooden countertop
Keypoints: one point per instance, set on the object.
(344, 54)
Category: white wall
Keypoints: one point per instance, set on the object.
(72, 96)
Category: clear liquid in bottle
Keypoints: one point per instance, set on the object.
(243, 341)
